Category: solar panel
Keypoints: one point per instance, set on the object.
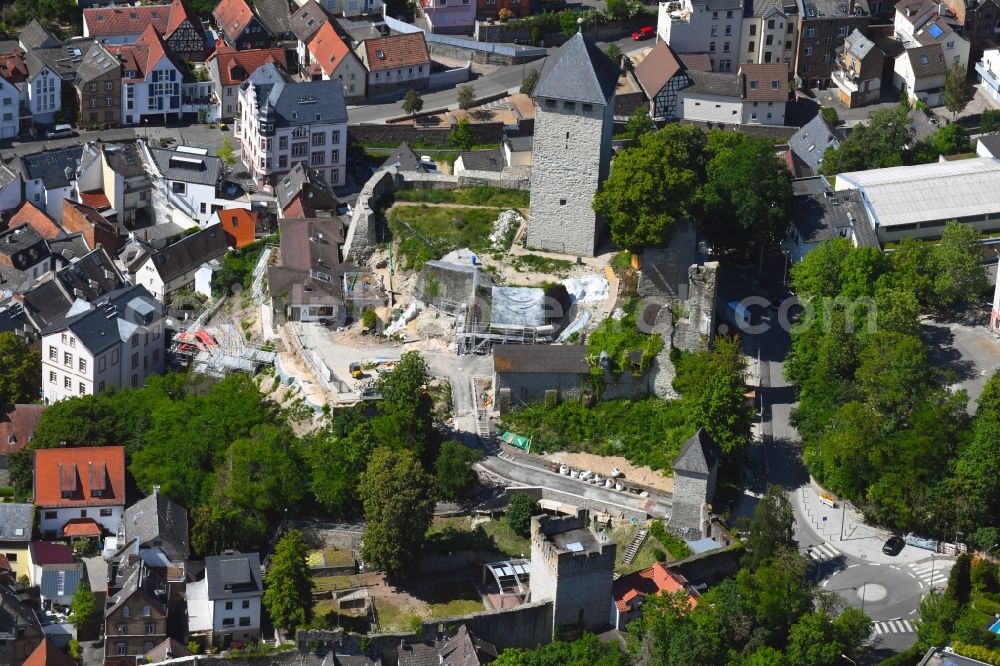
(575, 547)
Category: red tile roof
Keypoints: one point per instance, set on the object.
(17, 425)
(328, 48)
(239, 225)
(4, 564)
(31, 215)
(235, 66)
(397, 51)
(81, 527)
(297, 210)
(232, 16)
(654, 580)
(12, 67)
(659, 66)
(142, 56)
(78, 473)
(47, 552)
(96, 200)
(179, 12)
(47, 654)
(110, 21)
(765, 82)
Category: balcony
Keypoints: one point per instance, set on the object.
(986, 73)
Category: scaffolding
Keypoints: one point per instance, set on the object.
(511, 579)
(476, 337)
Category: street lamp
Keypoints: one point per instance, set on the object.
(849, 659)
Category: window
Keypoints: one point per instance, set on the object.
(178, 188)
(725, 47)
(67, 383)
(808, 51)
(319, 139)
(67, 359)
(125, 611)
(334, 156)
(109, 85)
(82, 388)
(715, 31)
(283, 143)
(135, 360)
(842, 32)
(53, 354)
(775, 85)
(150, 628)
(120, 648)
(770, 24)
(753, 29)
(52, 377)
(588, 107)
(100, 389)
(711, 47)
(810, 32)
(282, 161)
(729, 14)
(92, 87)
(950, 45)
(299, 149)
(569, 106)
(244, 621)
(769, 40)
(750, 48)
(83, 365)
(335, 137)
(229, 605)
(114, 357)
(729, 30)
(228, 622)
(828, 39)
(135, 381)
(245, 604)
(826, 58)
(105, 513)
(50, 515)
(318, 158)
(753, 85)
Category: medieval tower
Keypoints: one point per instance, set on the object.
(574, 111)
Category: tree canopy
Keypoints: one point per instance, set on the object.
(288, 585)
(880, 142)
(453, 473)
(958, 91)
(20, 370)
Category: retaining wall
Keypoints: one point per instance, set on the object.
(396, 133)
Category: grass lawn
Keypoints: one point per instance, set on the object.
(425, 232)
(333, 582)
(391, 618)
(507, 542)
(538, 264)
(646, 556)
(455, 533)
(468, 196)
(330, 557)
(455, 598)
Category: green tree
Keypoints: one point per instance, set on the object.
(880, 142)
(989, 121)
(453, 472)
(639, 123)
(938, 614)
(466, 97)
(588, 650)
(819, 640)
(461, 135)
(770, 528)
(652, 185)
(614, 52)
(226, 152)
(617, 10)
(958, 92)
(765, 656)
(747, 196)
(956, 265)
(413, 103)
(288, 586)
(398, 500)
(830, 115)
(960, 580)
(406, 410)
(220, 527)
(20, 370)
(951, 139)
(529, 82)
(82, 606)
(519, 512)
(263, 472)
(336, 464)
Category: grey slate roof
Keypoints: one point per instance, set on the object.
(293, 103)
(578, 72)
(299, 177)
(91, 276)
(112, 318)
(124, 159)
(7, 175)
(926, 60)
(309, 18)
(187, 167)
(64, 60)
(233, 575)
(50, 166)
(858, 45)
(24, 246)
(821, 214)
(827, 9)
(190, 252)
(34, 36)
(810, 142)
(46, 303)
(992, 143)
(714, 83)
(483, 160)
(520, 143)
(15, 522)
(274, 15)
(462, 649)
(96, 62)
(699, 453)
(158, 519)
(540, 359)
(132, 578)
(15, 614)
(404, 159)
(70, 247)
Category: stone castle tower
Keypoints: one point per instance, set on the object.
(574, 112)
(696, 471)
(574, 567)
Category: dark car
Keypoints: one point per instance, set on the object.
(893, 546)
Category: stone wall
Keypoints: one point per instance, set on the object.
(362, 233)
(619, 511)
(696, 326)
(396, 133)
(528, 388)
(441, 285)
(710, 567)
(690, 491)
(780, 132)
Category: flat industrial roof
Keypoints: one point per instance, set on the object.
(938, 191)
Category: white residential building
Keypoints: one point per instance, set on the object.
(282, 123)
(11, 189)
(224, 606)
(10, 105)
(348, 8)
(50, 177)
(769, 32)
(116, 341)
(703, 26)
(44, 90)
(193, 179)
(151, 79)
(79, 491)
(172, 269)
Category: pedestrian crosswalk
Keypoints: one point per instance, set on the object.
(822, 552)
(892, 627)
(931, 572)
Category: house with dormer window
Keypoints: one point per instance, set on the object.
(135, 613)
(229, 68)
(224, 606)
(395, 63)
(151, 79)
(79, 490)
(240, 27)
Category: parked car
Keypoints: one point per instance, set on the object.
(645, 32)
(60, 132)
(893, 546)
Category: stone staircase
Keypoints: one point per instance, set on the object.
(634, 545)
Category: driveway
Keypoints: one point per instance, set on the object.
(970, 353)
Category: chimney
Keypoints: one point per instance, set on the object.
(156, 490)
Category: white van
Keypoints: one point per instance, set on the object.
(738, 316)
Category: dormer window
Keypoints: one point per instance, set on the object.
(125, 611)
(380, 54)
(753, 85)
(775, 85)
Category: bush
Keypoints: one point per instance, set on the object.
(74, 649)
(369, 319)
(989, 121)
(6, 492)
(984, 605)
(977, 652)
(830, 115)
(519, 512)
